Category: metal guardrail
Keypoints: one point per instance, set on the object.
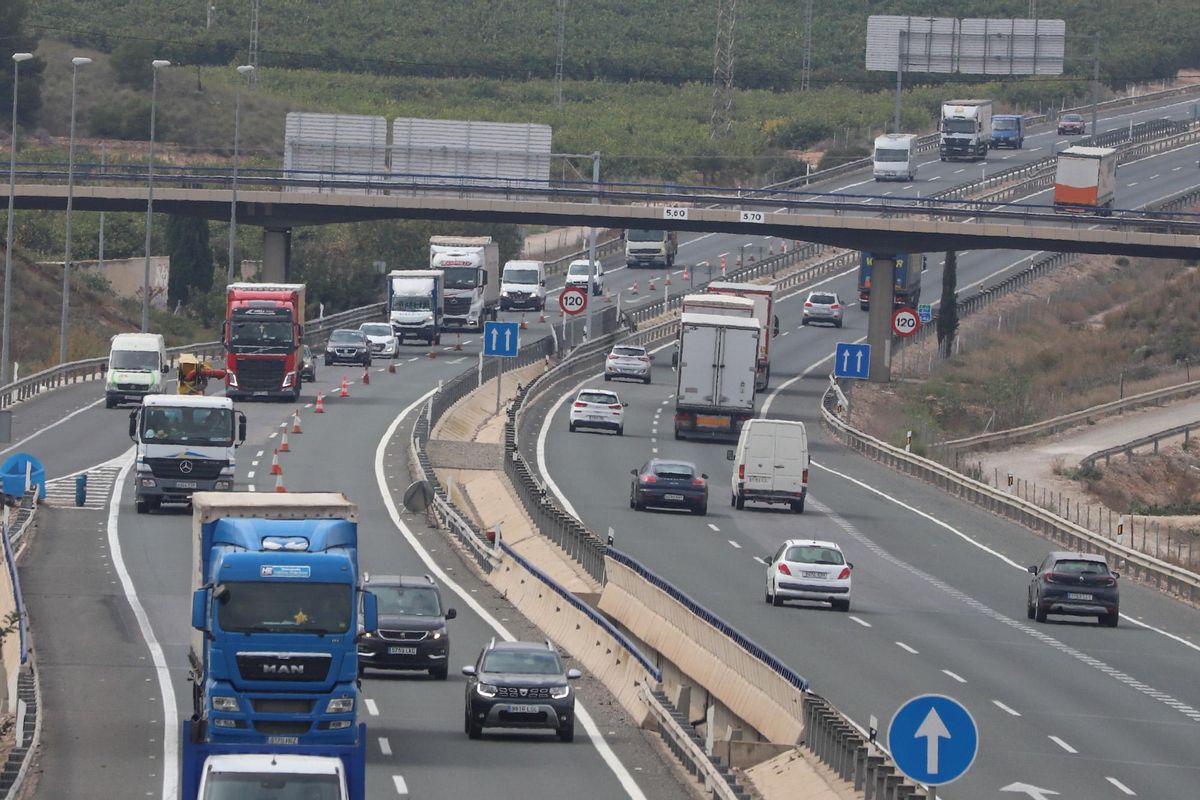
(1165, 576)
(604, 248)
(683, 742)
(1128, 447)
(834, 739)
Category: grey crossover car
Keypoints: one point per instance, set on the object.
(1074, 584)
(412, 630)
(520, 685)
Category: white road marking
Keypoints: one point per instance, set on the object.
(273, 434)
(1135, 183)
(959, 170)
(1176, 169)
(956, 676)
(385, 746)
(457, 360)
(401, 786)
(1152, 177)
(904, 646)
(259, 454)
(250, 475)
(762, 561)
(1121, 786)
(734, 544)
(1063, 744)
(714, 527)
(632, 790)
(170, 739)
(1005, 708)
(654, 450)
(372, 709)
(861, 621)
(252, 488)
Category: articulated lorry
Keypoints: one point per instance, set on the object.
(185, 444)
(264, 323)
(966, 130)
(907, 289)
(415, 304)
(763, 296)
(471, 270)
(714, 393)
(1085, 180)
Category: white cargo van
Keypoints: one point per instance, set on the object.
(523, 286)
(136, 365)
(770, 464)
(895, 157)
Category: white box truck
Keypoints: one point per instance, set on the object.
(763, 296)
(770, 464)
(895, 157)
(714, 392)
(415, 304)
(966, 130)
(1086, 180)
(471, 269)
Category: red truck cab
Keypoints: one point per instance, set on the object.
(262, 337)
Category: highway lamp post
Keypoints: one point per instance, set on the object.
(76, 63)
(591, 284)
(155, 65)
(245, 69)
(12, 188)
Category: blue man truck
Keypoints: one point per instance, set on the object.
(907, 291)
(275, 611)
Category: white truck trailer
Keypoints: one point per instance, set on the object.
(715, 388)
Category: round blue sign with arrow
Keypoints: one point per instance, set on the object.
(933, 739)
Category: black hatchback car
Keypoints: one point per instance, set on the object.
(664, 483)
(1074, 584)
(412, 630)
(348, 347)
(520, 685)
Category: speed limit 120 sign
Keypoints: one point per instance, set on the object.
(572, 300)
(905, 322)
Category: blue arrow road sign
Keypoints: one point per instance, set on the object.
(925, 312)
(933, 739)
(851, 360)
(501, 339)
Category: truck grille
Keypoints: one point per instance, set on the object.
(532, 693)
(284, 666)
(268, 705)
(281, 728)
(255, 374)
(457, 305)
(403, 636)
(133, 387)
(185, 468)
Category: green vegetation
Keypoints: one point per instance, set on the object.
(191, 259)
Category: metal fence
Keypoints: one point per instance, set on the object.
(834, 739)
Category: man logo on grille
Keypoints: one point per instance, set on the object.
(185, 467)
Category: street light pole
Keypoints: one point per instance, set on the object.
(76, 63)
(587, 325)
(245, 69)
(155, 65)
(8, 239)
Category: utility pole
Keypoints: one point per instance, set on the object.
(1095, 81)
(591, 284)
(253, 60)
(722, 98)
(806, 64)
(209, 7)
(558, 62)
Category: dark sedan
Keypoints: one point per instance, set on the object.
(348, 347)
(1071, 124)
(669, 484)
(1074, 584)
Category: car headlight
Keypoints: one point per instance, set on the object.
(368, 635)
(437, 634)
(340, 705)
(559, 692)
(225, 704)
(485, 690)
(504, 292)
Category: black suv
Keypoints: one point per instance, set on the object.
(1075, 584)
(348, 347)
(412, 626)
(520, 685)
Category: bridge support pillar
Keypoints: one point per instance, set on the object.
(879, 316)
(277, 255)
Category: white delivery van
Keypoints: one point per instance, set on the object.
(523, 286)
(895, 157)
(770, 464)
(137, 364)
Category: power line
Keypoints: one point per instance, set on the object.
(722, 97)
(806, 63)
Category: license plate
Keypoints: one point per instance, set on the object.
(811, 574)
(676, 497)
(185, 484)
(283, 740)
(1078, 596)
(260, 393)
(706, 421)
(521, 709)
(760, 478)
(402, 651)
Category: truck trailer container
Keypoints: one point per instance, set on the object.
(1085, 180)
(715, 386)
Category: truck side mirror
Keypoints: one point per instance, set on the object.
(200, 609)
(133, 424)
(370, 607)
(451, 613)
(730, 455)
(542, 282)
(484, 281)
(241, 427)
(775, 329)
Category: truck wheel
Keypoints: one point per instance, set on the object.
(439, 673)
(739, 502)
(141, 506)
(798, 506)
(109, 402)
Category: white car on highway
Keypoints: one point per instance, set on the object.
(598, 408)
(627, 361)
(382, 339)
(809, 569)
(577, 276)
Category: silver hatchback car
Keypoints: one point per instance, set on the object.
(823, 307)
(627, 361)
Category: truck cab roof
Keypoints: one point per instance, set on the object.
(186, 401)
(280, 763)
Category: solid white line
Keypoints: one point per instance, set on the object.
(735, 544)
(626, 780)
(714, 527)
(1063, 744)
(904, 646)
(401, 786)
(170, 778)
(861, 621)
(1121, 786)
(956, 677)
(54, 424)
(372, 709)
(385, 746)
(1005, 708)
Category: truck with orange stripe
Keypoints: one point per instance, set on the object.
(1086, 180)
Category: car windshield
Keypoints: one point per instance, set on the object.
(187, 426)
(1081, 567)
(271, 786)
(376, 329)
(284, 606)
(822, 299)
(410, 303)
(646, 236)
(676, 471)
(633, 352)
(525, 662)
(131, 360)
(890, 154)
(578, 268)
(813, 554)
(345, 337)
(958, 125)
(256, 333)
(1072, 118)
(526, 277)
(598, 397)
(415, 601)
(460, 277)
(1004, 124)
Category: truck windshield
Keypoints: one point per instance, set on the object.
(271, 786)
(635, 235)
(255, 334)
(526, 277)
(1004, 124)
(461, 277)
(958, 125)
(132, 360)
(890, 154)
(284, 607)
(410, 303)
(187, 426)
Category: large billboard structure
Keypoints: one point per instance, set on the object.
(468, 153)
(346, 148)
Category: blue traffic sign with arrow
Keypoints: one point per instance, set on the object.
(933, 739)
(501, 339)
(852, 360)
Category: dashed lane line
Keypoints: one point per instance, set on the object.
(1062, 744)
(1006, 709)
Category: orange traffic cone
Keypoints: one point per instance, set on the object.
(542, 314)
(782, 248)
(279, 483)
(651, 286)
(320, 409)
(523, 326)
(751, 258)
(275, 468)
(366, 379)
(686, 274)
(722, 265)
(634, 289)
(345, 387)
(392, 367)
(458, 341)
(296, 421)
(283, 442)
(431, 354)
(667, 280)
